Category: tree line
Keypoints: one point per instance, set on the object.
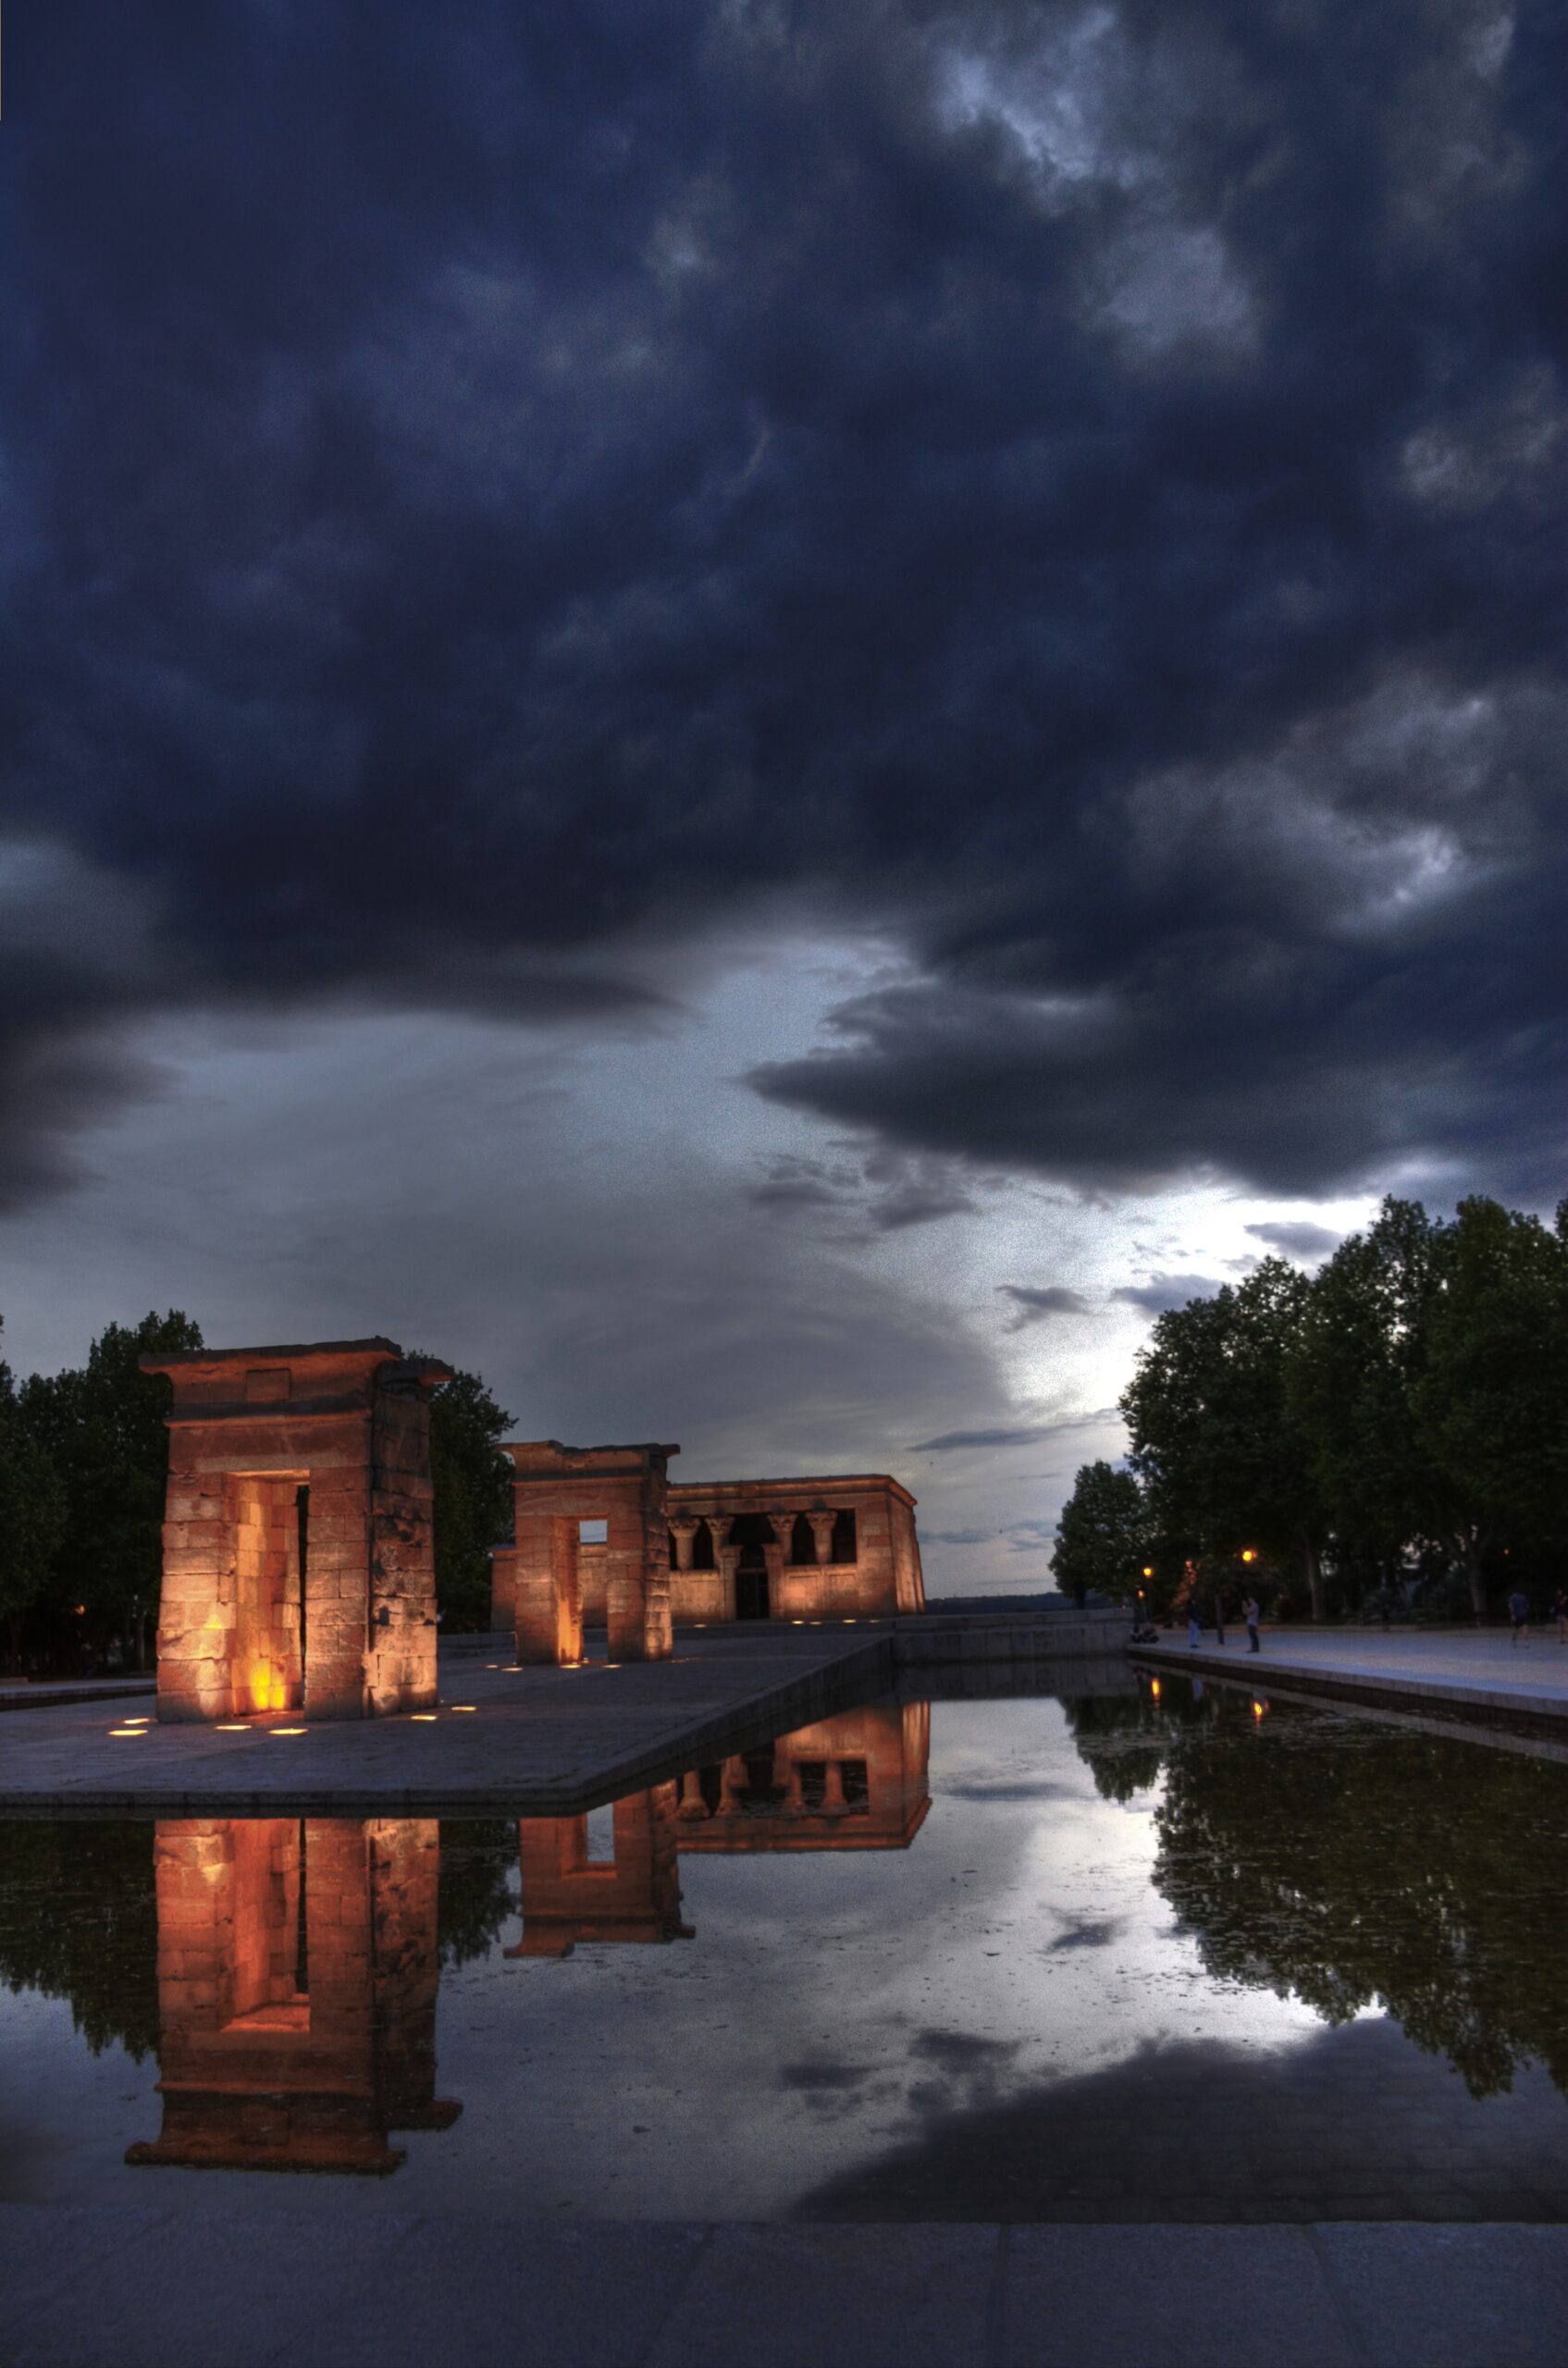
(1393, 1429)
(83, 1465)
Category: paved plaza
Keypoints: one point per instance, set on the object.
(541, 1742)
(185, 2287)
(1470, 1668)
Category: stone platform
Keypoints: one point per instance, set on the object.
(215, 2287)
(528, 1742)
(1480, 1675)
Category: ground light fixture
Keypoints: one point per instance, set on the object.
(1154, 1688)
(462, 1706)
(128, 1731)
(288, 1731)
(232, 1727)
(423, 1718)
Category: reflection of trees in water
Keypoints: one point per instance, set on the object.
(479, 1886)
(1354, 1865)
(79, 1920)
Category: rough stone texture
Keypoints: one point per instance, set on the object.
(854, 1781)
(835, 1548)
(556, 1489)
(292, 2043)
(246, 1623)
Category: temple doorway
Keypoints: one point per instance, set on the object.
(752, 1532)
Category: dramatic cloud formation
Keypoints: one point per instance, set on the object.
(1167, 1291)
(1037, 1306)
(1297, 1239)
(494, 498)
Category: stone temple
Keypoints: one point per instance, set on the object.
(603, 1537)
(298, 1565)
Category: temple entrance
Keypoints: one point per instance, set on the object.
(268, 1662)
(752, 1532)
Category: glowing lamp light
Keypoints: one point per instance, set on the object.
(462, 1705)
(82, 1612)
(1148, 1570)
(231, 1727)
(423, 1718)
(1258, 1709)
(128, 1731)
(288, 1731)
(1154, 1688)
(1249, 1553)
(492, 1664)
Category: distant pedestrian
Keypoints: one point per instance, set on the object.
(1219, 1619)
(1195, 1629)
(1519, 1612)
(1559, 1613)
(1250, 1614)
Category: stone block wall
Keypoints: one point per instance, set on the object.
(247, 1621)
(555, 1490)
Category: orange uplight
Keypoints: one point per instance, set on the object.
(1148, 1570)
(288, 1731)
(1154, 1688)
(423, 1718)
(1249, 1554)
(1258, 1709)
(462, 1705)
(231, 1727)
(128, 1731)
(266, 1687)
(82, 1612)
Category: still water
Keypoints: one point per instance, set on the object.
(1087, 1957)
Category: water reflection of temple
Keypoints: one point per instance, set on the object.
(854, 1781)
(297, 1975)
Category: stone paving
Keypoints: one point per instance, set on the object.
(210, 2287)
(1471, 1669)
(537, 1742)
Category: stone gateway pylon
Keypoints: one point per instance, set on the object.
(298, 1568)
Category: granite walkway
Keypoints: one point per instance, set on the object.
(533, 1742)
(216, 2288)
(1475, 1670)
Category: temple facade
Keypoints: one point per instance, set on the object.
(604, 1536)
(298, 1562)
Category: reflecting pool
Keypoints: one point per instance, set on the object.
(1109, 1955)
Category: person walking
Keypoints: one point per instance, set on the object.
(1250, 1614)
(1194, 1628)
(1218, 1619)
(1519, 1612)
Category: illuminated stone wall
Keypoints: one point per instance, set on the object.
(555, 1490)
(249, 1430)
(297, 1971)
(827, 1547)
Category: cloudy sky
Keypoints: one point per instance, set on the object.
(764, 715)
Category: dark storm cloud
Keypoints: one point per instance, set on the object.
(486, 493)
(1038, 1305)
(1162, 1291)
(1014, 1434)
(1298, 1238)
(883, 1191)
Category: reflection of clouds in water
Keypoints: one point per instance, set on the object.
(1089, 1934)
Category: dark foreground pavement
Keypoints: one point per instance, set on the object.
(215, 2288)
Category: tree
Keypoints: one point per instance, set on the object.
(104, 1426)
(1213, 1437)
(1102, 1536)
(33, 1516)
(472, 1495)
(1490, 1398)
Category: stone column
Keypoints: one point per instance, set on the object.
(833, 1802)
(822, 1532)
(692, 1802)
(683, 1529)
